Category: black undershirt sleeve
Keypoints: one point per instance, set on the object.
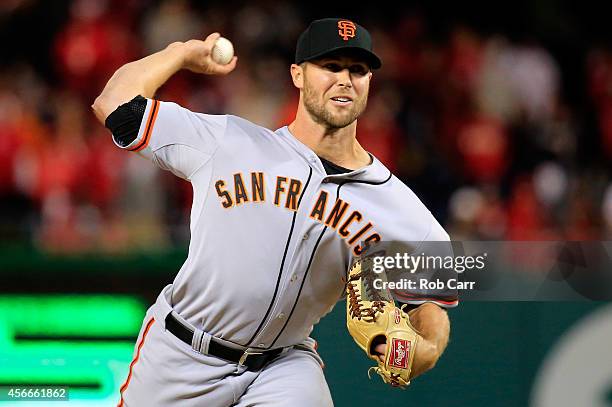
(125, 121)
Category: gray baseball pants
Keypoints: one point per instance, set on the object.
(165, 371)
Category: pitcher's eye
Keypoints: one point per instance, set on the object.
(332, 67)
(359, 69)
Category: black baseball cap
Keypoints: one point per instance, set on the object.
(331, 35)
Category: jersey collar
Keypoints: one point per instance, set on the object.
(374, 173)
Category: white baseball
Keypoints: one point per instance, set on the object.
(223, 51)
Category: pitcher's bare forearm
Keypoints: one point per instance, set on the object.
(434, 326)
(145, 76)
(142, 77)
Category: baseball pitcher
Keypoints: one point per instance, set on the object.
(278, 223)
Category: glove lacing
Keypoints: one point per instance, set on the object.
(357, 309)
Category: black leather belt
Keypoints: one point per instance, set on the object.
(251, 359)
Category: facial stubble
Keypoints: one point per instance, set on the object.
(315, 106)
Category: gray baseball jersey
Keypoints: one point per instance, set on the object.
(272, 234)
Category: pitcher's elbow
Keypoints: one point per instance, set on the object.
(100, 108)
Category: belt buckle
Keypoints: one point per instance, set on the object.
(246, 354)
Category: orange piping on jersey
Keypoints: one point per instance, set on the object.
(148, 127)
(316, 345)
(140, 344)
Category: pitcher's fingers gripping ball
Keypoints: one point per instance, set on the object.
(212, 56)
(223, 51)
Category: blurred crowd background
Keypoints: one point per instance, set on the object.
(499, 117)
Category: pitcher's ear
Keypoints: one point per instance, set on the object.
(297, 75)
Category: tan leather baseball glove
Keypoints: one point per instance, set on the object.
(372, 317)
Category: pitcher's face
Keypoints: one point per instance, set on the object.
(336, 90)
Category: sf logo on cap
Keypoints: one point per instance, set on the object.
(346, 29)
